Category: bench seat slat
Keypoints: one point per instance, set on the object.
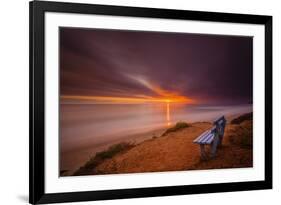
(202, 136)
(205, 138)
(198, 139)
(208, 139)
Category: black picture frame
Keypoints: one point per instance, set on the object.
(37, 9)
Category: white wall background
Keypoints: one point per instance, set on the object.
(14, 100)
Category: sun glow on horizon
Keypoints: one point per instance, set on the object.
(161, 95)
(124, 100)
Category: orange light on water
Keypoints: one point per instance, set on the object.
(168, 114)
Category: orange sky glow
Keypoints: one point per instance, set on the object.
(161, 96)
(126, 100)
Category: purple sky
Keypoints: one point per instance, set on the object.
(212, 69)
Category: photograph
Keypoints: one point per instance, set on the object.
(139, 101)
(149, 101)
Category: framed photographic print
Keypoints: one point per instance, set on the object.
(140, 102)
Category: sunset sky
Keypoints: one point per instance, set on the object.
(109, 66)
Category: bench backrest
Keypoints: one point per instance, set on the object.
(220, 125)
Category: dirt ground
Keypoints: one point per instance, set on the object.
(176, 151)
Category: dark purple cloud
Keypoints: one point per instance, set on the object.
(214, 69)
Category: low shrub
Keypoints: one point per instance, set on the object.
(178, 126)
(101, 156)
(242, 118)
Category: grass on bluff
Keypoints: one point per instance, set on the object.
(178, 126)
(101, 156)
(243, 130)
(242, 134)
(242, 118)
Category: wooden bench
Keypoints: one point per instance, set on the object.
(212, 137)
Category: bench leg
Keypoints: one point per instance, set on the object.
(215, 146)
(220, 140)
(203, 153)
